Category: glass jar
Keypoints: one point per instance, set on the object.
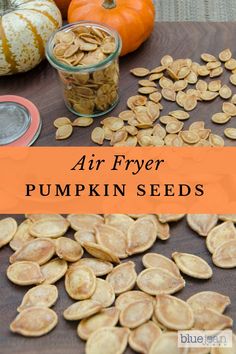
(90, 79)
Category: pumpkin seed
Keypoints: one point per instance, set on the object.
(192, 265)
(229, 108)
(173, 313)
(214, 85)
(8, 228)
(225, 55)
(209, 319)
(105, 318)
(147, 90)
(208, 57)
(126, 115)
(233, 99)
(189, 136)
(230, 64)
(224, 255)
(68, 249)
(21, 236)
(64, 132)
(81, 309)
(167, 60)
(84, 235)
(61, 121)
(174, 127)
(141, 236)
(137, 100)
(154, 77)
(98, 266)
(49, 228)
(82, 122)
(113, 239)
(123, 277)
(98, 135)
(142, 337)
(130, 297)
(190, 102)
(220, 234)
(140, 72)
(25, 273)
(34, 322)
(167, 119)
(136, 313)
(156, 281)
(201, 85)
(208, 95)
(155, 260)
(180, 115)
(104, 293)
(155, 97)
(220, 118)
(168, 94)
(216, 140)
(54, 270)
(159, 131)
(38, 250)
(166, 83)
(80, 282)
(208, 299)
(121, 222)
(84, 221)
(37, 217)
(230, 133)
(225, 92)
(113, 123)
(203, 71)
(216, 72)
(114, 339)
(147, 83)
(100, 252)
(202, 223)
(167, 343)
(182, 84)
(41, 295)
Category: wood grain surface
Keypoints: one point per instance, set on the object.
(181, 40)
(63, 339)
(41, 86)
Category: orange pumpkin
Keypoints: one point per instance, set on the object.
(63, 6)
(133, 19)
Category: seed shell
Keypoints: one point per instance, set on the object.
(130, 297)
(68, 249)
(208, 299)
(54, 270)
(80, 282)
(25, 273)
(113, 239)
(39, 251)
(85, 235)
(123, 277)
(8, 228)
(34, 322)
(98, 266)
(142, 337)
(167, 343)
(105, 318)
(81, 309)
(41, 295)
(135, 314)
(225, 255)
(100, 252)
(220, 234)
(230, 133)
(155, 260)
(140, 72)
(22, 235)
(202, 223)
(84, 221)
(49, 228)
(82, 122)
(61, 121)
(141, 236)
(64, 132)
(192, 265)
(174, 313)
(155, 281)
(209, 319)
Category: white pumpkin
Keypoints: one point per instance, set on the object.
(25, 26)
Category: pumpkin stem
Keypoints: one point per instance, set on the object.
(109, 4)
(5, 6)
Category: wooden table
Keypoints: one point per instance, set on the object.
(41, 86)
(181, 40)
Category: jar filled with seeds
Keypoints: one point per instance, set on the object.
(85, 55)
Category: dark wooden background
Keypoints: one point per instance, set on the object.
(181, 40)
(63, 339)
(41, 86)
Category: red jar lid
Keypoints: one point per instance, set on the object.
(20, 122)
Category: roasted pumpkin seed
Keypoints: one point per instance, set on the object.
(104, 293)
(224, 255)
(208, 299)
(192, 265)
(98, 266)
(113, 239)
(130, 297)
(142, 337)
(41, 295)
(155, 260)
(49, 228)
(8, 228)
(54, 270)
(80, 282)
(202, 223)
(81, 309)
(123, 277)
(136, 313)
(25, 273)
(22, 235)
(100, 252)
(220, 234)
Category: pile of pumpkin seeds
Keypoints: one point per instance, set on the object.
(142, 123)
(123, 307)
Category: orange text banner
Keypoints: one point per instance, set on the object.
(117, 180)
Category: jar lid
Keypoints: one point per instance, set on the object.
(20, 122)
